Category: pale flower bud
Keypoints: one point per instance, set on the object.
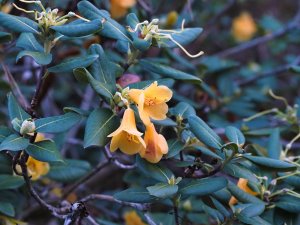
(27, 127)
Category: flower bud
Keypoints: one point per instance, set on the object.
(27, 127)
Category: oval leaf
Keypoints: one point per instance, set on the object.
(14, 143)
(39, 57)
(136, 195)
(235, 135)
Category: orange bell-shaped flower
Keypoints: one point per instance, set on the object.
(127, 138)
(242, 184)
(151, 101)
(156, 145)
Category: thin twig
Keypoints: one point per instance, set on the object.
(274, 72)
(175, 208)
(115, 161)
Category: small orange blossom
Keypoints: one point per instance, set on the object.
(156, 145)
(151, 101)
(118, 8)
(127, 138)
(243, 27)
(132, 218)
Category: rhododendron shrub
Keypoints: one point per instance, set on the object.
(128, 112)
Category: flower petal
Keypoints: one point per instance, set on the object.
(114, 145)
(134, 94)
(157, 112)
(159, 93)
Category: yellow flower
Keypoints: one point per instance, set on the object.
(151, 101)
(10, 221)
(127, 138)
(156, 145)
(171, 18)
(36, 168)
(243, 27)
(132, 218)
(242, 184)
(118, 8)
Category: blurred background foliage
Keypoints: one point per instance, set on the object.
(250, 47)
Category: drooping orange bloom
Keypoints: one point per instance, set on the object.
(243, 27)
(151, 101)
(156, 145)
(127, 138)
(242, 184)
(132, 218)
(119, 8)
(36, 168)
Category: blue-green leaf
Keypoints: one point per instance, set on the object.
(183, 37)
(10, 182)
(105, 90)
(111, 28)
(15, 110)
(156, 171)
(70, 64)
(175, 146)
(28, 42)
(167, 71)
(162, 190)
(41, 58)
(204, 133)
(204, 186)
(7, 209)
(18, 24)
(54, 124)
(79, 29)
(289, 203)
(251, 209)
(136, 195)
(100, 123)
(235, 135)
(273, 164)
(241, 195)
(14, 143)
(68, 171)
(183, 109)
(274, 146)
(45, 151)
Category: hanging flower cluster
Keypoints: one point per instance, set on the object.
(151, 104)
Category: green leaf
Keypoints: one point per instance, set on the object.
(100, 123)
(252, 220)
(57, 124)
(79, 29)
(7, 209)
(204, 186)
(239, 171)
(175, 146)
(220, 207)
(28, 42)
(45, 151)
(235, 135)
(68, 171)
(274, 146)
(183, 109)
(204, 133)
(206, 151)
(101, 69)
(292, 180)
(136, 195)
(15, 110)
(5, 37)
(156, 171)
(295, 69)
(72, 63)
(10, 182)
(213, 213)
(272, 164)
(41, 58)
(182, 37)
(163, 190)
(241, 195)
(251, 209)
(5, 164)
(18, 24)
(111, 28)
(4, 132)
(167, 71)
(105, 90)
(289, 203)
(14, 143)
